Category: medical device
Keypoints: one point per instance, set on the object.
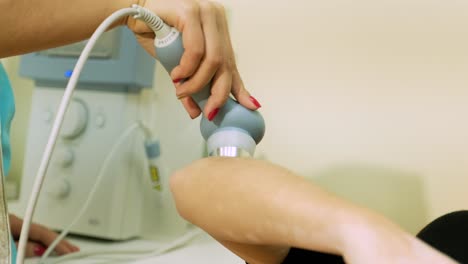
(110, 98)
(235, 129)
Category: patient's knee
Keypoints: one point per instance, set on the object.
(178, 185)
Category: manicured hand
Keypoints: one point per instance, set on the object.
(208, 53)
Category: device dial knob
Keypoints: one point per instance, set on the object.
(59, 188)
(75, 120)
(64, 157)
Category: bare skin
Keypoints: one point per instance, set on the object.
(40, 237)
(259, 211)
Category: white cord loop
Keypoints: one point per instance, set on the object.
(154, 23)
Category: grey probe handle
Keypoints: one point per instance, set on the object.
(231, 116)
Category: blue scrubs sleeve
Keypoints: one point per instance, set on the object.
(7, 111)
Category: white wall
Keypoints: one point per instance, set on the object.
(368, 98)
(363, 84)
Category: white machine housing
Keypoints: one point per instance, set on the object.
(125, 205)
(107, 101)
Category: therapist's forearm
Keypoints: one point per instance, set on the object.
(253, 202)
(27, 26)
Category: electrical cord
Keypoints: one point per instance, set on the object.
(139, 13)
(131, 254)
(127, 132)
(149, 139)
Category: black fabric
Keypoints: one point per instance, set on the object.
(449, 234)
(300, 256)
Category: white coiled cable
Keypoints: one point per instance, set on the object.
(154, 22)
(139, 13)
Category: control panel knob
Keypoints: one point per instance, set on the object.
(59, 188)
(75, 120)
(64, 156)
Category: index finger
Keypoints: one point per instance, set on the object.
(194, 46)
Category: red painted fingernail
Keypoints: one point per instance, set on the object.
(39, 250)
(176, 80)
(255, 102)
(212, 114)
